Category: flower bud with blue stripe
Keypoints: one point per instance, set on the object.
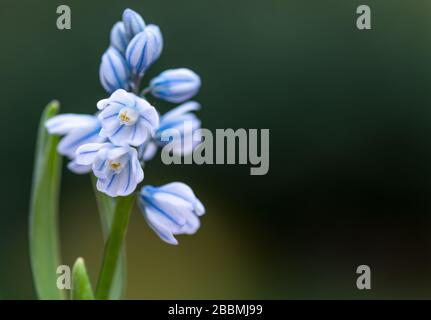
(77, 129)
(117, 169)
(127, 119)
(175, 85)
(133, 23)
(171, 209)
(118, 38)
(114, 72)
(144, 49)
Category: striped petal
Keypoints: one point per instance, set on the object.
(87, 153)
(180, 110)
(77, 168)
(118, 37)
(133, 23)
(77, 137)
(144, 49)
(113, 72)
(161, 226)
(64, 123)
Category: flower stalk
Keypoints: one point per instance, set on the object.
(114, 244)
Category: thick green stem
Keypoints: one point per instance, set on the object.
(106, 207)
(114, 244)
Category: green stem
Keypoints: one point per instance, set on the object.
(114, 244)
(106, 206)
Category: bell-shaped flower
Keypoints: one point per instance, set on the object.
(77, 129)
(117, 169)
(118, 37)
(171, 209)
(175, 85)
(144, 49)
(133, 23)
(114, 73)
(127, 119)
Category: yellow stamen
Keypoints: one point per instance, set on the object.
(124, 117)
(114, 165)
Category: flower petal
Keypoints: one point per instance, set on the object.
(133, 23)
(77, 137)
(160, 225)
(64, 123)
(87, 153)
(116, 152)
(148, 151)
(180, 190)
(113, 71)
(77, 168)
(118, 37)
(137, 171)
(180, 110)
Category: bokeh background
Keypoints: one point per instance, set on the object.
(350, 122)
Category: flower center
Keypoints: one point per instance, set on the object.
(128, 116)
(115, 165)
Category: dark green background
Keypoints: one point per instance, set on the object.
(348, 112)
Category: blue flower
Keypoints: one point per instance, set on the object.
(133, 23)
(114, 72)
(171, 209)
(117, 168)
(144, 49)
(118, 38)
(127, 119)
(78, 129)
(184, 122)
(175, 85)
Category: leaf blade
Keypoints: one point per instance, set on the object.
(81, 285)
(43, 227)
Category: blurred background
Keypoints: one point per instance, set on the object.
(350, 140)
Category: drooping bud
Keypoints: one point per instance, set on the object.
(144, 49)
(175, 85)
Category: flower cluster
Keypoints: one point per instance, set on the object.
(127, 129)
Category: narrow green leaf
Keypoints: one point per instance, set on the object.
(81, 285)
(43, 228)
(106, 207)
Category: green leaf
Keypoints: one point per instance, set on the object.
(43, 228)
(81, 286)
(106, 207)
